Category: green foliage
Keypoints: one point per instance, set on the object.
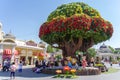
(50, 49)
(77, 52)
(117, 51)
(111, 59)
(67, 10)
(118, 58)
(75, 22)
(99, 65)
(56, 49)
(58, 57)
(112, 49)
(58, 37)
(92, 52)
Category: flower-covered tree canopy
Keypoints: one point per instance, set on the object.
(74, 25)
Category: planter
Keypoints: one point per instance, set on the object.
(85, 71)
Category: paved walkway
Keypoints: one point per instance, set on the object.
(27, 74)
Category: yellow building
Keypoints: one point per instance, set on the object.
(16, 50)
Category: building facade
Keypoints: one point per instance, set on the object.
(104, 52)
(18, 50)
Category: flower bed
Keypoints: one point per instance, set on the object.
(88, 71)
(80, 71)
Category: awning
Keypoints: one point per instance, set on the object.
(38, 54)
(7, 52)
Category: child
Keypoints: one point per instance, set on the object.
(12, 70)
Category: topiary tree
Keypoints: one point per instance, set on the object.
(75, 26)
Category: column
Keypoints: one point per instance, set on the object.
(1, 54)
(45, 58)
(26, 61)
(13, 55)
(1, 48)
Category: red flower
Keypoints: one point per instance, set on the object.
(67, 68)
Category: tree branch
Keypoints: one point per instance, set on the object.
(73, 43)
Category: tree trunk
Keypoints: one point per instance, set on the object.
(70, 53)
(70, 48)
(87, 43)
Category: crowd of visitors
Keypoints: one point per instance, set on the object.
(53, 63)
(81, 62)
(12, 67)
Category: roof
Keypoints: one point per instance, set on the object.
(103, 46)
(9, 35)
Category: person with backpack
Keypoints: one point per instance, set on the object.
(12, 70)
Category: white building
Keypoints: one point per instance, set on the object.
(16, 50)
(105, 52)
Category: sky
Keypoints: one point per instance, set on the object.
(23, 17)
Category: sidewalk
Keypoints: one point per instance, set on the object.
(114, 65)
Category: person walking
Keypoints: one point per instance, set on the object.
(12, 71)
(20, 67)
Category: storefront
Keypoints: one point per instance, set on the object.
(18, 50)
(26, 53)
